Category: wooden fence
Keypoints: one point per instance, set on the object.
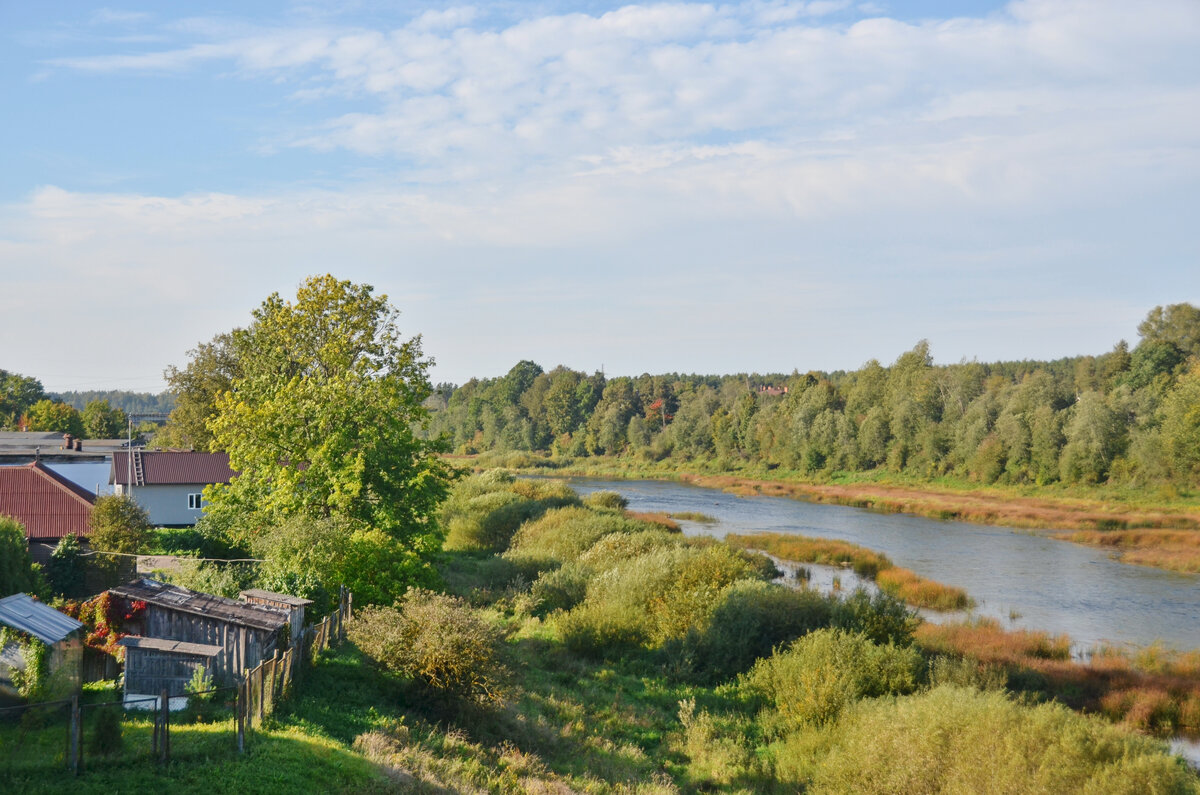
(272, 681)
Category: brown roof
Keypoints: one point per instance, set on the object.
(163, 467)
(49, 505)
(173, 597)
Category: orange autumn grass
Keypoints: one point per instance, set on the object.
(900, 583)
(1174, 550)
(1154, 689)
(654, 518)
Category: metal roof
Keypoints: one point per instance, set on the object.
(173, 597)
(170, 468)
(170, 646)
(20, 611)
(49, 505)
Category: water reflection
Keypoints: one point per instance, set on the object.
(1021, 579)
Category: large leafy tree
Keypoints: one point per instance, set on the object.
(17, 394)
(213, 367)
(320, 419)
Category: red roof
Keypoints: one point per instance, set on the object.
(165, 467)
(49, 505)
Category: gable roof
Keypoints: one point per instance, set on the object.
(173, 597)
(169, 467)
(49, 505)
(20, 611)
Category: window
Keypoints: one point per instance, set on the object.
(194, 501)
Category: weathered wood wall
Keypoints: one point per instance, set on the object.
(244, 647)
(149, 671)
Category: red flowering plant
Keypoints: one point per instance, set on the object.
(105, 617)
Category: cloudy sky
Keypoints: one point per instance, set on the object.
(754, 186)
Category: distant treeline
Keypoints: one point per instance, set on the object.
(128, 402)
(1123, 416)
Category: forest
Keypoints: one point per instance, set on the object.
(1128, 416)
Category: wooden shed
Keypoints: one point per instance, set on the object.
(153, 664)
(245, 633)
(293, 604)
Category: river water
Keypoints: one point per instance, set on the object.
(1024, 580)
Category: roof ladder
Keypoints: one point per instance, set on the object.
(139, 477)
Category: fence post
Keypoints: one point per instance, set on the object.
(164, 703)
(261, 695)
(274, 672)
(74, 728)
(239, 706)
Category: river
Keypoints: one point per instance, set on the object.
(1022, 579)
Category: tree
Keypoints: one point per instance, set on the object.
(50, 415)
(1181, 425)
(1177, 324)
(322, 415)
(18, 572)
(119, 525)
(17, 394)
(213, 367)
(102, 421)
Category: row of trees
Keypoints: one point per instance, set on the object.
(24, 405)
(1129, 415)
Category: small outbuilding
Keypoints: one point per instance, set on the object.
(153, 665)
(245, 633)
(61, 633)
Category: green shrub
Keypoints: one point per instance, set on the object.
(560, 589)
(965, 672)
(606, 500)
(616, 548)
(749, 621)
(826, 671)
(106, 732)
(563, 534)
(484, 511)
(65, 569)
(882, 618)
(964, 740)
(436, 640)
(601, 629)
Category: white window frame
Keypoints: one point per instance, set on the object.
(195, 501)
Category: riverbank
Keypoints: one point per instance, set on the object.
(1141, 527)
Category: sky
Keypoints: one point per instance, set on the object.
(657, 187)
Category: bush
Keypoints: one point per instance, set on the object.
(564, 533)
(957, 740)
(65, 568)
(560, 589)
(119, 525)
(749, 621)
(106, 732)
(484, 511)
(965, 672)
(601, 629)
(882, 618)
(616, 548)
(18, 572)
(436, 640)
(826, 671)
(606, 500)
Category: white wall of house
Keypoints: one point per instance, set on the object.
(169, 505)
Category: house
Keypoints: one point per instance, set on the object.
(168, 483)
(246, 634)
(49, 505)
(61, 633)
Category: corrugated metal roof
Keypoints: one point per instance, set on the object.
(49, 505)
(172, 597)
(164, 467)
(20, 611)
(170, 646)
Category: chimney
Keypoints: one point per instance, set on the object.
(79, 445)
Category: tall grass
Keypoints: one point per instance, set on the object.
(902, 583)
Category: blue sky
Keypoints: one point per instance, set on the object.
(758, 186)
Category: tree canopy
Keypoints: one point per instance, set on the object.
(320, 413)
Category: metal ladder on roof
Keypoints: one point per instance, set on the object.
(139, 477)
